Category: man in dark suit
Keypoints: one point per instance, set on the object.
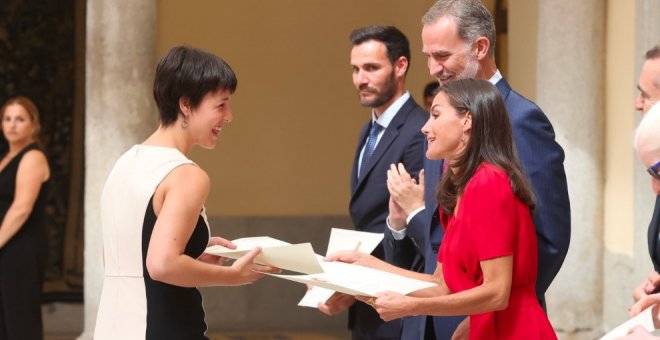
(380, 58)
(458, 39)
(648, 292)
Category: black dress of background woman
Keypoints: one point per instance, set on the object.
(24, 175)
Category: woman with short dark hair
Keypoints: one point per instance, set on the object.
(152, 210)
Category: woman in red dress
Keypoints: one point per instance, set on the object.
(488, 257)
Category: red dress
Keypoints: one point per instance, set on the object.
(492, 222)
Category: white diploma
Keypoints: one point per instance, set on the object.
(295, 257)
(344, 239)
(341, 239)
(358, 280)
(326, 277)
(352, 279)
(644, 319)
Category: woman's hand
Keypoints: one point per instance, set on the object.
(390, 305)
(214, 259)
(246, 271)
(354, 257)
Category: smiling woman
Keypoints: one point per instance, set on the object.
(153, 215)
(487, 261)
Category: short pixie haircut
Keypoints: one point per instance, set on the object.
(190, 73)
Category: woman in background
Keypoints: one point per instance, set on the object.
(24, 172)
(647, 145)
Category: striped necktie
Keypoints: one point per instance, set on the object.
(370, 146)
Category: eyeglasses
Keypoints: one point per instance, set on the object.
(654, 170)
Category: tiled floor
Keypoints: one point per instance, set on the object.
(279, 336)
(249, 336)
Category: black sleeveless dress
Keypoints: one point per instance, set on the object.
(174, 312)
(22, 261)
(133, 305)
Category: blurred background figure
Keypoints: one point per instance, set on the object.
(24, 173)
(430, 91)
(647, 144)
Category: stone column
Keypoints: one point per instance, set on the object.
(569, 90)
(119, 112)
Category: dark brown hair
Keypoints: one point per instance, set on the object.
(653, 53)
(491, 141)
(191, 73)
(394, 40)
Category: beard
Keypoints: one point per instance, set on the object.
(471, 68)
(382, 96)
(469, 72)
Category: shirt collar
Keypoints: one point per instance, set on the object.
(387, 116)
(496, 77)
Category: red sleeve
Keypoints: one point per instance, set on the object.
(489, 213)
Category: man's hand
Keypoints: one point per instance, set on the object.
(404, 189)
(645, 302)
(648, 286)
(638, 333)
(337, 303)
(397, 217)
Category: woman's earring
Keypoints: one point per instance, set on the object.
(184, 123)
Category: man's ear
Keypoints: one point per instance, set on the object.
(401, 66)
(184, 106)
(480, 47)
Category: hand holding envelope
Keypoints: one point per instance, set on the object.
(643, 319)
(275, 253)
(340, 240)
(333, 276)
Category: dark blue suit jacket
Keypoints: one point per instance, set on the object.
(542, 160)
(401, 142)
(654, 236)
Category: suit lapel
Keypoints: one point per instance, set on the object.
(390, 134)
(504, 88)
(356, 160)
(431, 180)
(653, 235)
